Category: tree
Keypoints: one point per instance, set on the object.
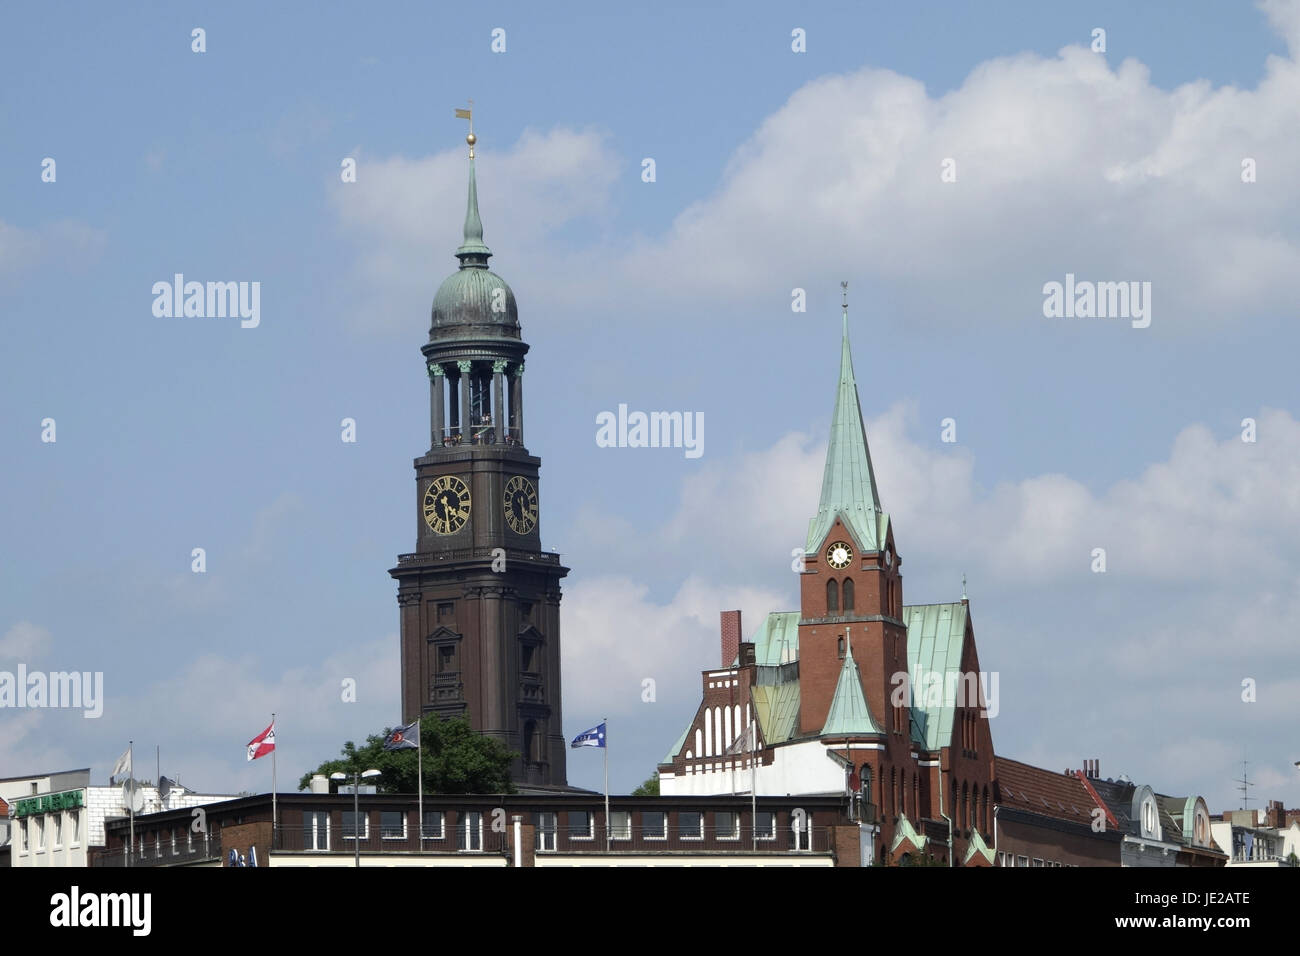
(650, 788)
(457, 759)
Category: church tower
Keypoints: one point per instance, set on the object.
(851, 580)
(479, 598)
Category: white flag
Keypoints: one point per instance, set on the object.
(744, 743)
(123, 766)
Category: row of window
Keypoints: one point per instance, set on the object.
(581, 825)
(34, 827)
(1010, 859)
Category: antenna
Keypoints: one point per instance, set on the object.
(1243, 785)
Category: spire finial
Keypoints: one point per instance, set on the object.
(469, 115)
(963, 587)
(844, 291)
(472, 252)
(848, 634)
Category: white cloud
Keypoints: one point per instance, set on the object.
(25, 642)
(407, 213)
(1064, 164)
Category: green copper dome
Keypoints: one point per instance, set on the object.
(474, 302)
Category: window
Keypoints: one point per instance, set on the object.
(654, 824)
(1022, 861)
(356, 825)
(765, 825)
(175, 852)
(392, 825)
(433, 824)
(866, 783)
(620, 824)
(848, 595)
(157, 845)
(189, 840)
(446, 659)
(526, 653)
(74, 827)
(546, 827)
(40, 834)
(841, 648)
(22, 828)
(690, 824)
(1037, 862)
(57, 825)
(727, 825)
(469, 831)
(832, 598)
(580, 825)
(530, 742)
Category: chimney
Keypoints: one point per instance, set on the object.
(1276, 815)
(730, 636)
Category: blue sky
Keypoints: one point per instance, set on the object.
(775, 171)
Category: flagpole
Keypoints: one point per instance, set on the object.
(419, 763)
(275, 815)
(605, 721)
(130, 800)
(753, 785)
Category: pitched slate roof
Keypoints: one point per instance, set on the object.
(1057, 795)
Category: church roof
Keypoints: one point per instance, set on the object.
(777, 708)
(777, 639)
(474, 302)
(849, 714)
(848, 482)
(935, 633)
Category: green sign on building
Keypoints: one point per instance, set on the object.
(49, 803)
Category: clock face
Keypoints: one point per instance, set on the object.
(839, 554)
(446, 504)
(520, 505)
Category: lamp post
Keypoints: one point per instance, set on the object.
(357, 777)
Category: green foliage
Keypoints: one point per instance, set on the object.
(457, 759)
(650, 788)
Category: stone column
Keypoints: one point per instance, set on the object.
(438, 421)
(517, 402)
(465, 433)
(499, 417)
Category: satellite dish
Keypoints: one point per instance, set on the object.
(132, 796)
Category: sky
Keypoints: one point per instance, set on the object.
(948, 161)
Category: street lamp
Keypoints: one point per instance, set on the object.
(357, 777)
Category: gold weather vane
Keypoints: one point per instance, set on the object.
(469, 115)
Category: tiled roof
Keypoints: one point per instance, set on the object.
(1047, 793)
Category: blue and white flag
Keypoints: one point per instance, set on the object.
(590, 738)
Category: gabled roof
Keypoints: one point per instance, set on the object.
(1050, 794)
(934, 645)
(977, 845)
(848, 481)
(849, 714)
(677, 747)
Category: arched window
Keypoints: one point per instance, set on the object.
(530, 742)
(965, 807)
(832, 598)
(893, 791)
(916, 797)
(866, 783)
(841, 648)
(848, 595)
(984, 809)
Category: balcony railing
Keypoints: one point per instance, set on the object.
(483, 434)
(450, 839)
(634, 839)
(205, 849)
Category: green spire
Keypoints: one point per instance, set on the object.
(848, 483)
(472, 252)
(849, 714)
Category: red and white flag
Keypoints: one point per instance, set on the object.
(263, 743)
